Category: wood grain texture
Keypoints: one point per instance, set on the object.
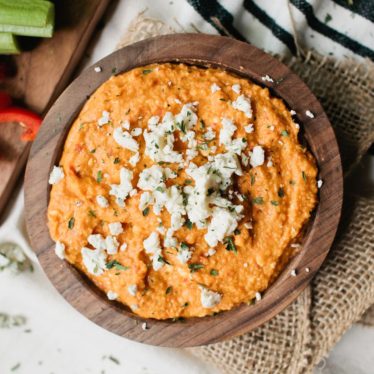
(237, 57)
(41, 75)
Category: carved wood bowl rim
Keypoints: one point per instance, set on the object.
(204, 50)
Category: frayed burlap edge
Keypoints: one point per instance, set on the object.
(299, 337)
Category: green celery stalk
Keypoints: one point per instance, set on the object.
(27, 17)
(8, 44)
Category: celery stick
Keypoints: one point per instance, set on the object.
(8, 44)
(27, 17)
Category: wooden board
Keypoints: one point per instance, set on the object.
(41, 75)
(242, 59)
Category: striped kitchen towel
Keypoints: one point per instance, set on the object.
(339, 28)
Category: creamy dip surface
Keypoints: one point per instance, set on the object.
(181, 191)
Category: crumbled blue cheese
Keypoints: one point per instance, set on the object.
(125, 140)
(102, 201)
(184, 254)
(111, 244)
(243, 104)
(120, 191)
(94, 260)
(151, 178)
(60, 250)
(214, 88)
(227, 131)
(146, 198)
(236, 88)
(57, 174)
(159, 140)
(249, 128)
(267, 78)
(209, 299)
(309, 114)
(111, 295)
(115, 228)
(136, 131)
(104, 119)
(134, 159)
(257, 156)
(133, 289)
(210, 134)
(97, 241)
(223, 223)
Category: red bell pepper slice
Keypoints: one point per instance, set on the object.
(25, 117)
(5, 100)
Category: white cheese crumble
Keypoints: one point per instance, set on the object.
(152, 246)
(293, 273)
(57, 174)
(111, 295)
(227, 131)
(102, 201)
(60, 250)
(120, 191)
(125, 140)
(214, 88)
(309, 114)
(123, 247)
(222, 224)
(144, 326)
(104, 119)
(133, 289)
(187, 116)
(249, 128)
(257, 156)
(146, 198)
(319, 183)
(292, 112)
(211, 252)
(243, 104)
(210, 134)
(258, 296)
(236, 88)
(209, 299)
(134, 159)
(184, 254)
(136, 131)
(111, 244)
(151, 178)
(115, 228)
(267, 78)
(98, 69)
(97, 241)
(94, 260)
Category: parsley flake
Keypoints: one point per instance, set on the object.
(71, 223)
(117, 265)
(145, 211)
(214, 272)
(116, 160)
(281, 192)
(168, 290)
(99, 176)
(230, 245)
(275, 203)
(284, 133)
(195, 267)
(258, 200)
(147, 71)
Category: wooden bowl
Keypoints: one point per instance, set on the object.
(242, 59)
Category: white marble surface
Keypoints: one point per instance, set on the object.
(63, 341)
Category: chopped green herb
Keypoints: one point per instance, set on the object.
(114, 70)
(160, 189)
(185, 305)
(116, 160)
(195, 267)
(284, 133)
(146, 211)
(128, 111)
(92, 213)
(185, 245)
(328, 18)
(115, 360)
(258, 200)
(281, 192)
(253, 179)
(210, 191)
(115, 212)
(275, 203)
(202, 124)
(181, 126)
(162, 259)
(188, 181)
(203, 146)
(117, 265)
(99, 176)
(188, 224)
(168, 290)
(15, 367)
(303, 175)
(230, 245)
(292, 183)
(147, 71)
(214, 272)
(237, 232)
(93, 150)
(222, 99)
(71, 223)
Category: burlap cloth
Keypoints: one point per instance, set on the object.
(343, 290)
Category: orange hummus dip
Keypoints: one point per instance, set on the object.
(181, 191)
